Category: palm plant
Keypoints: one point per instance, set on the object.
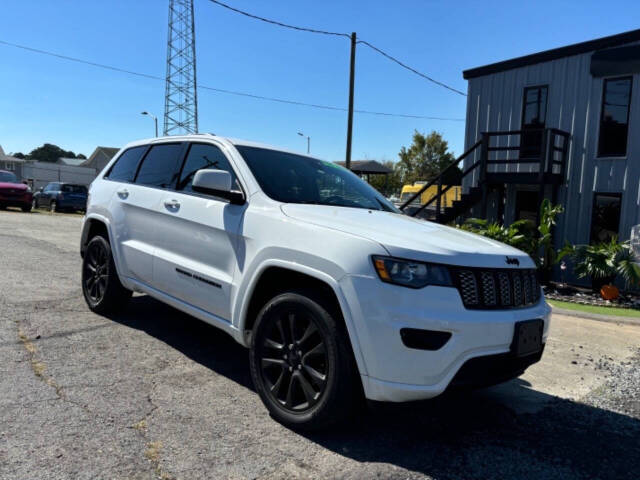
(604, 262)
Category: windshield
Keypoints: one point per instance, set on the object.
(291, 178)
(73, 188)
(8, 177)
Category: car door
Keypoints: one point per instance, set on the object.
(199, 237)
(45, 196)
(134, 204)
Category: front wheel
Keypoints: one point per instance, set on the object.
(26, 208)
(101, 286)
(301, 362)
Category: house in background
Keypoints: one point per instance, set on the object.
(73, 162)
(100, 157)
(11, 164)
(562, 124)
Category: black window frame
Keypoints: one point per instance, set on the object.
(204, 195)
(527, 151)
(599, 137)
(617, 195)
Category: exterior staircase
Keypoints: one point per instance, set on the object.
(498, 161)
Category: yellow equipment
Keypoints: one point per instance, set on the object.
(448, 197)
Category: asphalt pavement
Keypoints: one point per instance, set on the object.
(154, 393)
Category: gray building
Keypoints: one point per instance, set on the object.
(100, 157)
(562, 124)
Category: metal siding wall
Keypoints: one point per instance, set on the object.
(574, 100)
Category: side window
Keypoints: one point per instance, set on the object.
(614, 117)
(204, 156)
(161, 166)
(125, 167)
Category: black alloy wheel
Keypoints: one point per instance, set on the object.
(301, 361)
(294, 363)
(95, 274)
(101, 286)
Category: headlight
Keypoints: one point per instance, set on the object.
(411, 274)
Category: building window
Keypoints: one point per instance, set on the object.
(605, 217)
(10, 166)
(534, 116)
(614, 117)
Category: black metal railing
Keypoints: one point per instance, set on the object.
(550, 157)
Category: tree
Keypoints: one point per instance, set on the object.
(387, 184)
(427, 156)
(19, 155)
(50, 153)
(82, 156)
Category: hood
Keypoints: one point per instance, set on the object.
(13, 186)
(407, 237)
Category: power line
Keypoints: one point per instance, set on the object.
(393, 59)
(221, 90)
(311, 30)
(280, 24)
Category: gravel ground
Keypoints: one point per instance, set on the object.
(154, 393)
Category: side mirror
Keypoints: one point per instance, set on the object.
(217, 183)
(40, 189)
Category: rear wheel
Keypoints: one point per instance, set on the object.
(101, 286)
(301, 362)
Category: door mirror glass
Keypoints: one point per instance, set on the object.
(217, 183)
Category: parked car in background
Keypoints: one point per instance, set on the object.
(59, 196)
(336, 293)
(13, 193)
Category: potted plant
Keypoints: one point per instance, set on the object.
(603, 263)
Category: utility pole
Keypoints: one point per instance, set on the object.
(351, 85)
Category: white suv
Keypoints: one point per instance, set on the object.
(336, 292)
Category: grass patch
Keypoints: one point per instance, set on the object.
(619, 312)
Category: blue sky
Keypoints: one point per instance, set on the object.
(44, 99)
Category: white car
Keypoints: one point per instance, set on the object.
(337, 294)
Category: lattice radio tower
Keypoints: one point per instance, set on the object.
(181, 98)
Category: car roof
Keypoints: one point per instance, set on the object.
(202, 136)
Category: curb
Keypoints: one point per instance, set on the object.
(596, 316)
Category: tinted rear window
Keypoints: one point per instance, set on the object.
(125, 167)
(161, 166)
(73, 188)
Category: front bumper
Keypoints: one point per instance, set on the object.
(23, 200)
(392, 371)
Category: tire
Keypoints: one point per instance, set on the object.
(321, 358)
(3, 207)
(26, 208)
(101, 286)
(34, 204)
(53, 206)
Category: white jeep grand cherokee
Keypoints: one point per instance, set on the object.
(335, 292)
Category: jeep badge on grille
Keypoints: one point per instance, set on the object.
(512, 261)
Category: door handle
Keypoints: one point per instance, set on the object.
(123, 194)
(172, 204)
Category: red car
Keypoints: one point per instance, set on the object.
(13, 193)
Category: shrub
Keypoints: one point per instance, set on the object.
(604, 262)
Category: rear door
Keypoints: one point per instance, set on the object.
(141, 173)
(199, 237)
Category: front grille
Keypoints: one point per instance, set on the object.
(497, 288)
